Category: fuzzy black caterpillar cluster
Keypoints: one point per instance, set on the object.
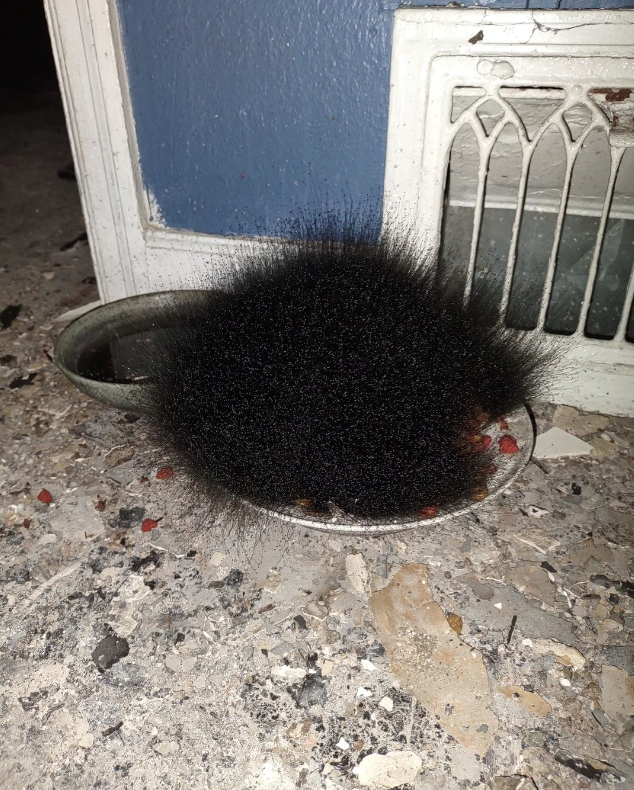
(339, 370)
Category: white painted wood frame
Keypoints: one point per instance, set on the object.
(133, 255)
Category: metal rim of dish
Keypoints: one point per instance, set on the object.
(520, 426)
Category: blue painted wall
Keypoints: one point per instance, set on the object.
(247, 110)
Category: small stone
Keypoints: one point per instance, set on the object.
(234, 578)
(118, 456)
(342, 743)
(312, 692)
(166, 748)
(536, 512)
(387, 704)
(386, 771)
(300, 623)
(455, 622)
(174, 662)
(110, 650)
(128, 517)
(564, 682)
(86, 741)
(316, 610)
(367, 665)
(327, 667)
(283, 649)
(363, 693)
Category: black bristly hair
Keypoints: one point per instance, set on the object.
(336, 368)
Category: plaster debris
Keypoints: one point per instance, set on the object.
(387, 703)
(385, 771)
(357, 571)
(556, 443)
(71, 315)
(446, 676)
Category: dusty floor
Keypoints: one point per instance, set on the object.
(182, 658)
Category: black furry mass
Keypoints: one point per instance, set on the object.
(339, 372)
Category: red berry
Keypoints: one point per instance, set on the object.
(508, 445)
(26, 523)
(486, 441)
(45, 496)
(165, 473)
(101, 505)
(504, 426)
(148, 525)
(428, 512)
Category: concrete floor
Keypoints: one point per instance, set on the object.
(182, 657)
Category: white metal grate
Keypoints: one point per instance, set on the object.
(511, 143)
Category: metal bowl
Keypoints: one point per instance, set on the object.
(113, 323)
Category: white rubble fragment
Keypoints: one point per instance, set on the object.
(288, 673)
(342, 743)
(367, 665)
(71, 315)
(564, 682)
(385, 771)
(166, 748)
(363, 693)
(387, 704)
(327, 667)
(86, 741)
(567, 655)
(536, 512)
(556, 443)
(357, 571)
